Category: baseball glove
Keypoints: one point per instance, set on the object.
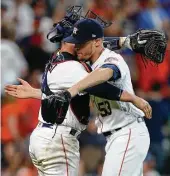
(151, 44)
(54, 107)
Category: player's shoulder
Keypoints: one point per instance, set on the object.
(77, 65)
(111, 56)
(114, 58)
(71, 66)
(70, 63)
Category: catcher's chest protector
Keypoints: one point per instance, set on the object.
(79, 104)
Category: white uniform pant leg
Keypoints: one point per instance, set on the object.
(126, 150)
(54, 154)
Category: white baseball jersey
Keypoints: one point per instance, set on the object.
(126, 148)
(115, 114)
(63, 76)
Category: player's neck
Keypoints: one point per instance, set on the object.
(96, 55)
(69, 48)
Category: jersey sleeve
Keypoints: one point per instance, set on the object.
(116, 71)
(117, 61)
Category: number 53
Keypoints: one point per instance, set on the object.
(104, 108)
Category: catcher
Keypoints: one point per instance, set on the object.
(69, 164)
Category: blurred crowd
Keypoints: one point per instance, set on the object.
(25, 50)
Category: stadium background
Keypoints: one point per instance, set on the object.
(25, 50)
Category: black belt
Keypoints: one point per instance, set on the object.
(108, 133)
(47, 125)
(72, 131)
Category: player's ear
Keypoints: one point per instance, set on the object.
(98, 42)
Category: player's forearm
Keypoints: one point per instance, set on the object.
(114, 43)
(105, 90)
(96, 77)
(111, 92)
(127, 97)
(36, 93)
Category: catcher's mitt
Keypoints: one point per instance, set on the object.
(55, 106)
(150, 43)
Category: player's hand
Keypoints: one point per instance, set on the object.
(144, 106)
(20, 91)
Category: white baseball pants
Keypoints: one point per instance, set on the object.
(126, 150)
(54, 151)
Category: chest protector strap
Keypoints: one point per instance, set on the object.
(80, 104)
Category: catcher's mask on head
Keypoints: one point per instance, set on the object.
(64, 28)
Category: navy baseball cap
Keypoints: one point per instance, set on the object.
(85, 30)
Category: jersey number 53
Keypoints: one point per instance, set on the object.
(104, 108)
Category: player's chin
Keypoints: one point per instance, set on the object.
(80, 56)
(83, 57)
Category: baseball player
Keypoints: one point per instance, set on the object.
(121, 122)
(54, 148)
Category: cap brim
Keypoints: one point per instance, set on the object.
(73, 40)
